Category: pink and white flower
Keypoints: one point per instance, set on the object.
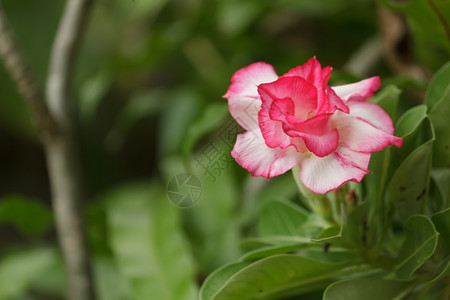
(297, 119)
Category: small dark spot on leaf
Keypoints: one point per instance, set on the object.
(421, 195)
(402, 189)
(260, 291)
(326, 247)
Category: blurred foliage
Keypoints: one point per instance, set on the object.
(149, 82)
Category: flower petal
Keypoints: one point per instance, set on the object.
(360, 90)
(246, 80)
(359, 135)
(336, 102)
(273, 132)
(302, 94)
(313, 73)
(317, 133)
(271, 124)
(372, 114)
(251, 152)
(324, 174)
(243, 99)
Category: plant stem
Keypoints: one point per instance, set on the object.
(62, 155)
(54, 123)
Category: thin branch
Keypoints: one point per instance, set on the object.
(63, 56)
(62, 156)
(54, 122)
(19, 70)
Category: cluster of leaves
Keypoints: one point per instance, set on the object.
(149, 103)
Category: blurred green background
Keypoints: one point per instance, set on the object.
(149, 81)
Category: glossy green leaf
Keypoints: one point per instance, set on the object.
(19, 270)
(276, 277)
(420, 243)
(438, 86)
(409, 185)
(367, 289)
(27, 214)
(416, 129)
(411, 120)
(147, 241)
(217, 279)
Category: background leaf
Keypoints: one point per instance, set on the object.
(439, 117)
(419, 244)
(28, 215)
(282, 218)
(147, 242)
(217, 279)
(438, 86)
(441, 221)
(366, 288)
(19, 270)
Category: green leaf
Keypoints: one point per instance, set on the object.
(420, 243)
(148, 244)
(19, 270)
(109, 281)
(260, 191)
(441, 178)
(367, 289)
(375, 183)
(282, 218)
(388, 98)
(409, 185)
(439, 117)
(328, 254)
(26, 214)
(411, 120)
(217, 279)
(266, 251)
(415, 129)
(352, 233)
(441, 221)
(276, 277)
(438, 86)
